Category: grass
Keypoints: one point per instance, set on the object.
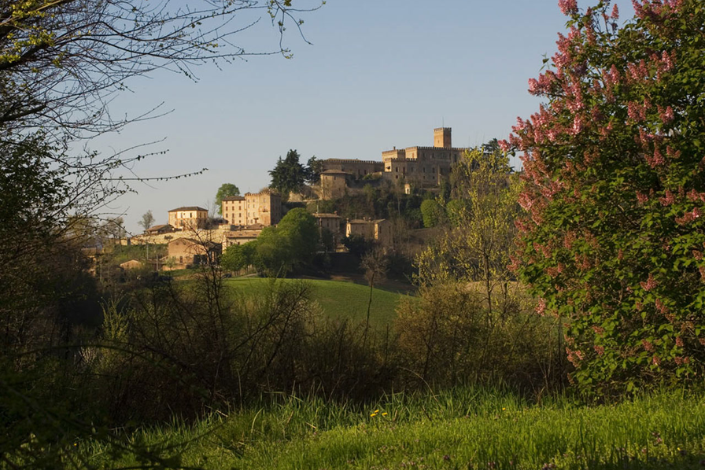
(465, 428)
(340, 300)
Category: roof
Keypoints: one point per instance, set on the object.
(158, 227)
(234, 198)
(244, 234)
(335, 172)
(193, 241)
(363, 221)
(189, 208)
(326, 216)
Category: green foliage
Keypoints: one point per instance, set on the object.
(483, 212)
(322, 206)
(291, 244)
(225, 190)
(449, 336)
(612, 238)
(433, 213)
(358, 245)
(239, 257)
(288, 175)
(314, 167)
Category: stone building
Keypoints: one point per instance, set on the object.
(241, 236)
(189, 252)
(334, 184)
(332, 223)
(358, 169)
(263, 208)
(159, 229)
(188, 218)
(379, 230)
(423, 166)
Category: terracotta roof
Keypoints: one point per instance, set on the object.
(326, 216)
(189, 208)
(158, 227)
(234, 198)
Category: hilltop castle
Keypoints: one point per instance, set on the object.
(421, 166)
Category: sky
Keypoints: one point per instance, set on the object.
(377, 74)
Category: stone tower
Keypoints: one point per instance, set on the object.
(441, 137)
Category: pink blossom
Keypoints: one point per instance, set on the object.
(668, 199)
(534, 86)
(647, 345)
(615, 12)
(661, 307)
(503, 145)
(598, 329)
(656, 360)
(698, 255)
(679, 342)
(568, 6)
(649, 284)
(541, 307)
(578, 125)
(600, 350)
(641, 197)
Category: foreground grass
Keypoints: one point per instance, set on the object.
(463, 429)
(340, 300)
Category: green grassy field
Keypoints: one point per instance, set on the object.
(340, 299)
(465, 429)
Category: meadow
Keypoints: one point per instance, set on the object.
(340, 300)
(464, 428)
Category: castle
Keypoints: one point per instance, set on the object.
(423, 167)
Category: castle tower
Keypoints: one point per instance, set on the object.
(441, 137)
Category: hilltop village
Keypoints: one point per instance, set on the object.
(192, 235)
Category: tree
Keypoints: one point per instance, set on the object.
(288, 175)
(292, 243)
(375, 264)
(225, 190)
(314, 168)
(239, 257)
(612, 235)
(433, 213)
(478, 245)
(147, 220)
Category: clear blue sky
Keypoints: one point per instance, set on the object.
(380, 73)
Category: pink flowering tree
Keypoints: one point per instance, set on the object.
(613, 234)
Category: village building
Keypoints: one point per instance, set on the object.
(358, 169)
(241, 236)
(184, 252)
(132, 264)
(331, 223)
(423, 166)
(379, 230)
(263, 208)
(188, 218)
(159, 229)
(334, 184)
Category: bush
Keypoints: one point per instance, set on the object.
(448, 336)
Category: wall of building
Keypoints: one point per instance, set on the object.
(264, 208)
(189, 218)
(357, 168)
